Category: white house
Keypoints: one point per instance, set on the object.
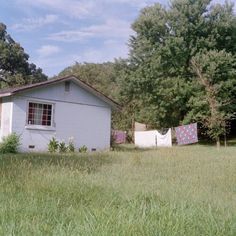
(63, 108)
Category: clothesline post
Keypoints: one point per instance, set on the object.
(133, 127)
(225, 138)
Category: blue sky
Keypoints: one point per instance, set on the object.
(56, 33)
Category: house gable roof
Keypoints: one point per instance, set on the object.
(17, 90)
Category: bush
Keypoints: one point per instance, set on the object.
(83, 149)
(10, 143)
(71, 146)
(62, 147)
(53, 145)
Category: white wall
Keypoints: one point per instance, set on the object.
(6, 114)
(78, 114)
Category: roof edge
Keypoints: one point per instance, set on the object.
(75, 79)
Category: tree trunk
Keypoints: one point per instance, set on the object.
(218, 142)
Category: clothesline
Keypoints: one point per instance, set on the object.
(185, 134)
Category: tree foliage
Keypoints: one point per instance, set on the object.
(182, 65)
(100, 76)
(215, 73)
(14, 66)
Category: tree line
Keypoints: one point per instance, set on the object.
(15, 69)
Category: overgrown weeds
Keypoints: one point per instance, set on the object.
(177, 191)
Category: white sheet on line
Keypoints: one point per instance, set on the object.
(145, 138)
(164, 140)
(152, 138)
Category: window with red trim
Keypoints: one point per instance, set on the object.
(39, 114)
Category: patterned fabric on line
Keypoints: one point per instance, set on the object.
(119, 136)
(186, 134)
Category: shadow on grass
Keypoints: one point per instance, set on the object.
(229, 142)
(129, 148)
(89, 162)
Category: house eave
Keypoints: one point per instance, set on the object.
(5, 95)
(98, 94)
(114, 105)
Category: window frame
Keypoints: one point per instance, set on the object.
(36, 126)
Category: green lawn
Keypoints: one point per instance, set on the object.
(177, 191)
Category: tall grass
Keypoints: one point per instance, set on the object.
(177, 191)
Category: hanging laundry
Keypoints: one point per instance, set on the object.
(186, 134)
(145, 138)
(119, 136)
(164, 140)
(152, 138)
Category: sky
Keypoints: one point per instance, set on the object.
(58, 33)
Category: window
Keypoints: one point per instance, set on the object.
(39, 114)
(67, 86)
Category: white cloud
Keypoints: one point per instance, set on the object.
(110, 50)
(84, 8)
(136, 3)
(34, 23)
(70, 35)
(110, 29)
(48, 50)
(72, 8)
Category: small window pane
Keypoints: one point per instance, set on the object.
(67, 86)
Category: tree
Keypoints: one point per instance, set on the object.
(102, 76)
(166, 55)
(14, 66)
(215, 73)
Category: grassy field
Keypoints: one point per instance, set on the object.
(178, 191)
